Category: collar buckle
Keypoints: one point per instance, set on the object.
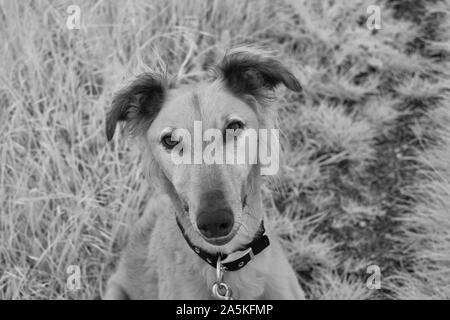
(238, 255)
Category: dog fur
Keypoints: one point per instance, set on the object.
(157, 262)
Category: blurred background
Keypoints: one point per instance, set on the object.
(366, 174)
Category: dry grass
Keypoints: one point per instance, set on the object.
(366, 179)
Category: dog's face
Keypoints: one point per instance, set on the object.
(213, 199)
(212, 195)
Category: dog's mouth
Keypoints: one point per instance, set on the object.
(221, 241)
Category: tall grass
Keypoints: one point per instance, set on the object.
(365, 179)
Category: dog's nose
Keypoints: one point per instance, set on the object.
(217, 223)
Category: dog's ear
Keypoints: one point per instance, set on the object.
(252, 71)
(137, 105)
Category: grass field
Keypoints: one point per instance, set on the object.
(366, 177)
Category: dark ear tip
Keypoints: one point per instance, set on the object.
(297, 86)
(110, 129)
(293, 84)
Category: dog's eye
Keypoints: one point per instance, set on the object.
(168, 143)
(235, 125)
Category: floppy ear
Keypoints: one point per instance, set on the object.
(137, 105)
(251, 71)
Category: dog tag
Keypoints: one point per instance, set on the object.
(221, 291)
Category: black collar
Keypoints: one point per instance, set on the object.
(235, 260)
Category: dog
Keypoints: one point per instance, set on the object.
(203, 236)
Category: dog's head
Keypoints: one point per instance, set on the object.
(191, 132)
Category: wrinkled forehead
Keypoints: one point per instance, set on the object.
(210, 103)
